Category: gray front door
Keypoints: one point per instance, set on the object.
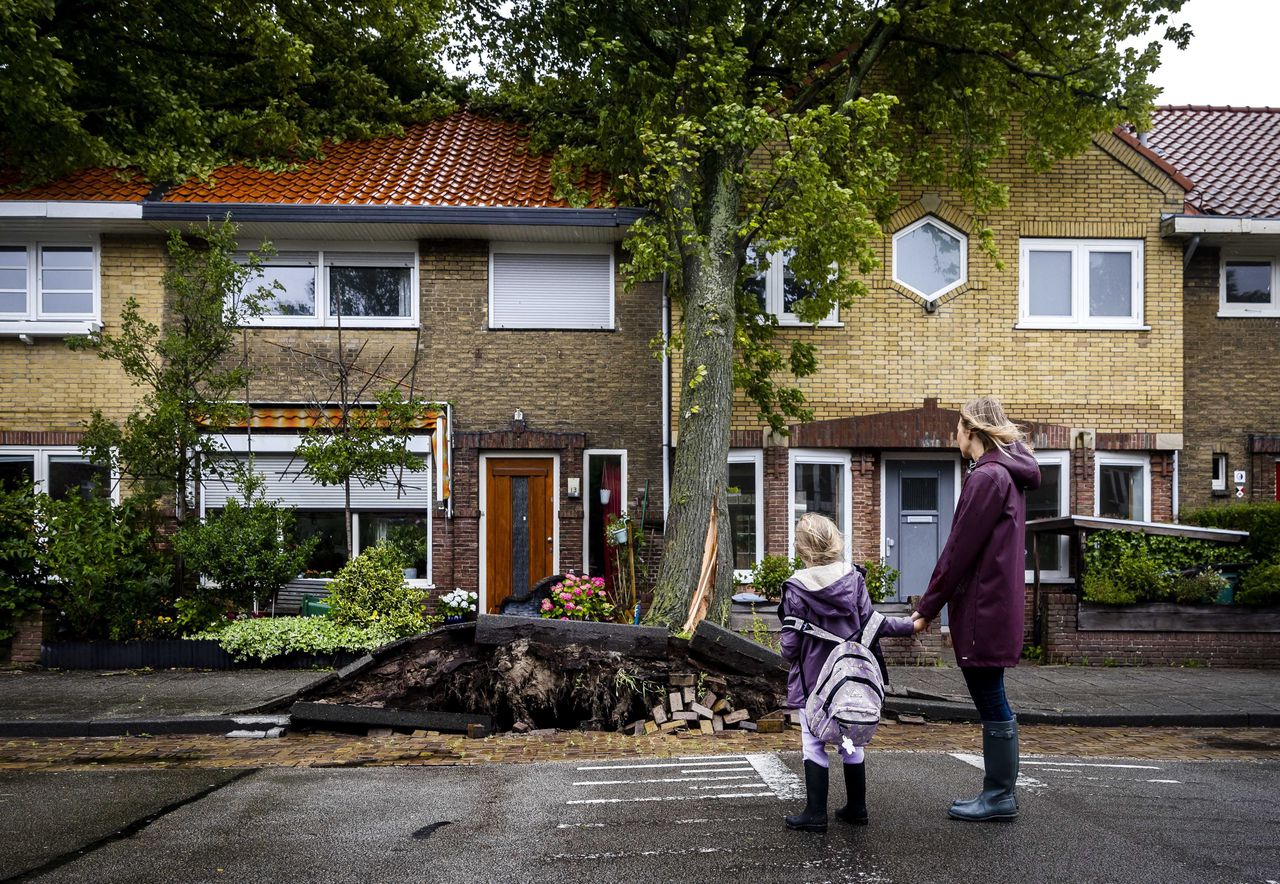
(919, 503)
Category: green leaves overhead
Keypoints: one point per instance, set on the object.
(182, 86)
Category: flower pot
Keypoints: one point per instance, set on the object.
(454, 618)
(410, 573)
(605, 494)
(618, 536)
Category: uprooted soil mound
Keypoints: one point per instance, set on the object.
(543, 686)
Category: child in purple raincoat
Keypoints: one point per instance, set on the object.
(831, 594)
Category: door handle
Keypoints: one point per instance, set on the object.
(888, 541)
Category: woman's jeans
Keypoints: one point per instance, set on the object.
(986, 686)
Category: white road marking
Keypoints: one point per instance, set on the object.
(1175, 782)
(1024, 782)
(580, 826)
(708, 757)
(661, 780)
(697, 821)
(743, 786)
(785, 784)
(1026, 762)
(684, 764)
(659, 852)
(669, 798)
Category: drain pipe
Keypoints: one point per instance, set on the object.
(1175, 484)
(666, 402)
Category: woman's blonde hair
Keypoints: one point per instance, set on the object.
(985, 416)
(818, 540)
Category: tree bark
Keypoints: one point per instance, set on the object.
(709, 277)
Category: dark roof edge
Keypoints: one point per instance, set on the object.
(1147, 153)
(345, 214)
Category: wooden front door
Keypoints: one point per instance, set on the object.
(519, 526)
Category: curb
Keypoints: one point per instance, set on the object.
(941, 711)
(122, 727)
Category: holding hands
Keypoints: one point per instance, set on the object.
(918, 623)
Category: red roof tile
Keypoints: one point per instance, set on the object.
(1232, 154)
(460, 160)
(95, 185)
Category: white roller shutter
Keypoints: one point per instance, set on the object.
(543, 290)
(285, 482)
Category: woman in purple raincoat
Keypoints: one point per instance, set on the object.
(981, 576)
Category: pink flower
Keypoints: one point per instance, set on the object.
(546, 604)
(598, 581)
(577, 591)
(568, 606)
(564, 618)
(588, 592)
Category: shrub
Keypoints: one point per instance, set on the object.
(371, 590)
(578, 598)
(1261, 520)
(1143, 575)
(1199, 589)
(247, 550)
(262, 638)
(458, 603)
(772, 571)
(21, 577)
(107, 578)
(1261, 585)
(1101, 589)
(881, 579)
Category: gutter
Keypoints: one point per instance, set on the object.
(666, 403)
(1195, 225)
(392, 214)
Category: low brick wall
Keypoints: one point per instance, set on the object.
(30, 631)
(1064, 642)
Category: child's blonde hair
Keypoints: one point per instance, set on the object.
(818, 540)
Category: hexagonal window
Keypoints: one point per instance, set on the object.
(930, 257)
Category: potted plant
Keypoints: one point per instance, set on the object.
(458, 605)
(578, 597)
(616, 529)
(410, 540)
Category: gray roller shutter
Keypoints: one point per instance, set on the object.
(284, 482)
(542, 290)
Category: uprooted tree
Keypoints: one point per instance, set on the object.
(763, 128)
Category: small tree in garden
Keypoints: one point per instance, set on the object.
(370, 590)
(248, 550)
(109, 580)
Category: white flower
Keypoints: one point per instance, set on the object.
(474, 596)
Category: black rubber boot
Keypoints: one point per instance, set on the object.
(1000, 758)
(814, 816)
(855, 789)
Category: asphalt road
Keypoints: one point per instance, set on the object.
(660, 820)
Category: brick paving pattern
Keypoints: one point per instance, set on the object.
(331, 750)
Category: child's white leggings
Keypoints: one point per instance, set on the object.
(815, 750)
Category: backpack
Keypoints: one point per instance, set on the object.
(846, 701)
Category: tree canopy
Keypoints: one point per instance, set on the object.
(762, 126)
(181, 86)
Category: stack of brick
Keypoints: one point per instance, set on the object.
(705, 708)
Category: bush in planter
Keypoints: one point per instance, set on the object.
(1101, 589)
(247, 550)
(881, 579)
(106, 576)
(1261, 520)
(370, 590)
(262, 638)
(1261, 585)
(772, 571)
(21, 577)
(1199, 589)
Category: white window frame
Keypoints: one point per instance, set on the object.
(420, 444)
(1245, 310)
(946, 228)
(34, 321)
(1079, 250)
(1062, 460)
(588, 502)
(1218, 482)
(322, 319)
(40, 456)
(756, 457)
(841, 459)
(774, 301)
(555, 248)
(1121, 459)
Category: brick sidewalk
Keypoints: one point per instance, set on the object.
(327, 750)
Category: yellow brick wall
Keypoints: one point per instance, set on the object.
(890, 353)
(45, 387)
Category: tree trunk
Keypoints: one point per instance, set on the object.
(709, 277)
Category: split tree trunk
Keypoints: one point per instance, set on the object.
(709, 278)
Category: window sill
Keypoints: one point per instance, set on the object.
(1026, 326)
(47, 328)
(795, 323)
(397, 323)
(1249, 314)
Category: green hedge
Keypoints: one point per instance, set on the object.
(265, 637)
(1261, 520)
(1125, 567)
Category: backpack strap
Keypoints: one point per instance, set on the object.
(872, 629)
(804, 627)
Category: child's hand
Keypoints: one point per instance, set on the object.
(919, 624)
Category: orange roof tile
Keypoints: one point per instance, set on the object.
(460, 160)
(95, 185)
